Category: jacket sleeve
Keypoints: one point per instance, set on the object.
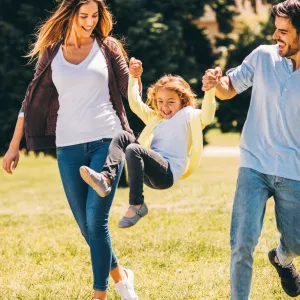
(142, 110)
(120, 67)
(39, 67)
(208, 108)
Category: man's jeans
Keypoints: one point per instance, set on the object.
(252, 192)
(90, 210)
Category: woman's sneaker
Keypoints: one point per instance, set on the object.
(290, 278)
(95, 180)
(125, 287)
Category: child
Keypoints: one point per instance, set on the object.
(168, 148)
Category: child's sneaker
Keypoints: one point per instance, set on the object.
(95, 180)
(125, 287)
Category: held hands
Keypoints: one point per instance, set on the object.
(11, 156)
(211, 78)
(135, 67)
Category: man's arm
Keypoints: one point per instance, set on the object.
(224, 89)
(213, 78)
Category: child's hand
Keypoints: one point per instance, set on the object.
(211, 78)
(135, 67)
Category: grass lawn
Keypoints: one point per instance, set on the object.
(215, 138)
(179, 251)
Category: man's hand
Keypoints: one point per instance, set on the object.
(135, 67)
(211, 78)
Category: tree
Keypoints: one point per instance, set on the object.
(18, 18)
(232, 114)
(163, 34)
(165, 37)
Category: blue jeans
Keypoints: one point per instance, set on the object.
(90, 210)
(252, 192)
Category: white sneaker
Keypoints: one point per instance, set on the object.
(125, 287)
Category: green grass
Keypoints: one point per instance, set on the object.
(179, 251)
(214, 137)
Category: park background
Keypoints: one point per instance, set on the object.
(181, 249)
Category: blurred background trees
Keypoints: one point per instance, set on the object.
(165, 35)
(232, 114)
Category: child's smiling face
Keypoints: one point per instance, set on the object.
(168, 103)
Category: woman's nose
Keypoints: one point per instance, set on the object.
(89, 21)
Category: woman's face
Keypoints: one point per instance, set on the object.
(86, 19)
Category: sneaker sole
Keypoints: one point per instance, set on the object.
(85, 175)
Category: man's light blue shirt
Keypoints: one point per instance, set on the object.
(270, 141)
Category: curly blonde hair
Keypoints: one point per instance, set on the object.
(173, 83)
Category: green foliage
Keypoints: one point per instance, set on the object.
(163, 34)
(18, 18)
(232, 114)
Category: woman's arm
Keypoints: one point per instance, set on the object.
(39, 67)
(208, 108)
(143, 111)
(120, 67)
(12, 155)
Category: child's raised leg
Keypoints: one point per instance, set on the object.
(143, 164)
(102, 182)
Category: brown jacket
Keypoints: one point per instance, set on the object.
(40, 105)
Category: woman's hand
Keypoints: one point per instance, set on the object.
(12, 156)
(135, 67)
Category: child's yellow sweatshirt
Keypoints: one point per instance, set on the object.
(199, 119)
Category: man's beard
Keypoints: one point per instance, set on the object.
(292, 50)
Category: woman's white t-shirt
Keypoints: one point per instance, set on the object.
(85, 112)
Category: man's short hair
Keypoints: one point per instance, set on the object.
(288, 9)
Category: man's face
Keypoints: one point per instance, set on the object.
(286, 37)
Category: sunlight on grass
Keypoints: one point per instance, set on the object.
(214, 137)
(179, 251)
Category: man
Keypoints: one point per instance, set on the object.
(270, 151)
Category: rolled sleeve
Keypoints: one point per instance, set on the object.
(242, 76)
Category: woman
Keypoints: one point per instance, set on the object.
(74, 103)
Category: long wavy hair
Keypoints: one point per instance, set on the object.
(57, 28)
(173, 83)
